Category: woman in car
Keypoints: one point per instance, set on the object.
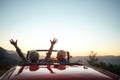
(33, 56)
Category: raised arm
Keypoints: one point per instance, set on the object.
(50, 49)
(14, 43)
(52, 45)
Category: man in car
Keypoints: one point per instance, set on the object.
(61, 55)
(34, 56)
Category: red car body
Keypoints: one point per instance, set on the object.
(58, 72)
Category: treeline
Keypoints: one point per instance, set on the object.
(109, 67)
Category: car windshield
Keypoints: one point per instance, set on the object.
(42, 55)
(52, 59)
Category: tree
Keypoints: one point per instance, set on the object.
(109, 67)
(92, 58)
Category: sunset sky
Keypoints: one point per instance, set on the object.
(79, 25)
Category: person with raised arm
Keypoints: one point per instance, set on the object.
(14, 43)
(33, 55)
(54, 41)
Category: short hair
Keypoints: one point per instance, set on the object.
(34, 56)
(62, 53)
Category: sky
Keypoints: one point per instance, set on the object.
(80, 26)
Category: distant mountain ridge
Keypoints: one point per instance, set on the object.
(8, 58)
(107, 59)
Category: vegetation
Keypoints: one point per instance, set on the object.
(95, 62)
(6, 61)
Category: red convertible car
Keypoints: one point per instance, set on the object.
(56, 71)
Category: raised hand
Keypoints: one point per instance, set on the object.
(53, 41)
(14, 43)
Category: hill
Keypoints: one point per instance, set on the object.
(8, 57)
(107, 59)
